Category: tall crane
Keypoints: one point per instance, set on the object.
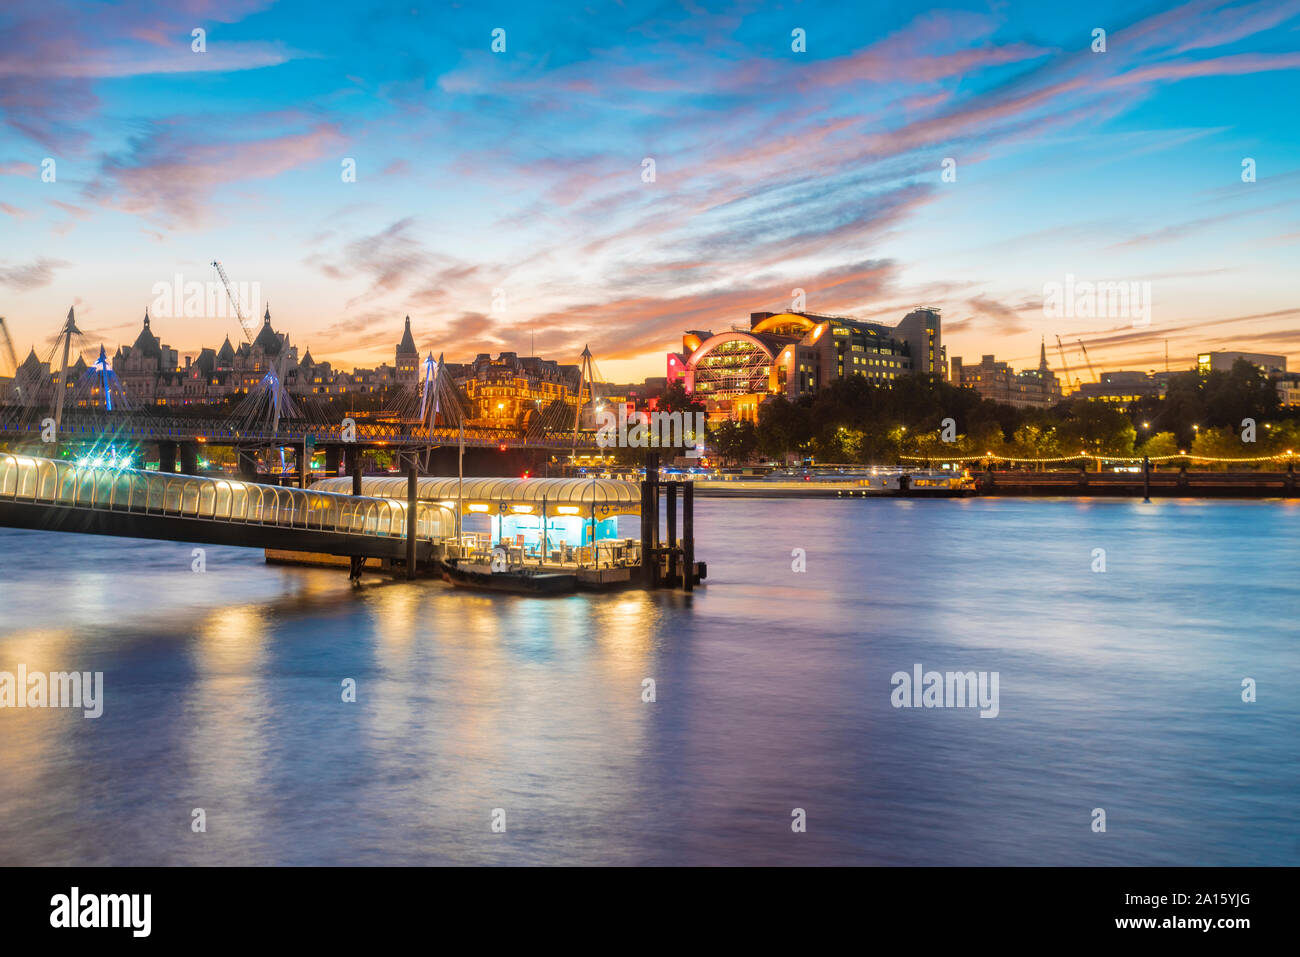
(1091, 371)
(234, 301)
(1065, 366)
(8, 344)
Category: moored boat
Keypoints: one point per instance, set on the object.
(519, 580)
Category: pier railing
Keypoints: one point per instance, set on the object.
(87, 487)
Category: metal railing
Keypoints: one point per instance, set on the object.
(50, 482)
(609, 553)
(145, 427)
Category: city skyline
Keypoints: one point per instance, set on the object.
(501, 198)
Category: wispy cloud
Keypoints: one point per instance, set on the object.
(26, 276)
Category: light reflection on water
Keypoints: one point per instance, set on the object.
(1118, 690)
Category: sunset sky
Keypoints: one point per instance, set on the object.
(522, 171)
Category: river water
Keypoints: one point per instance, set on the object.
(1119, 690)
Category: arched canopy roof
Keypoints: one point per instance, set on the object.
(610, 496)
(61, 483)
(713, 342)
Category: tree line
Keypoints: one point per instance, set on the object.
(857, 421)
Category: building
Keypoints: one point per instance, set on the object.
(791, 354)
(1124, 388)
(407, 372)
(1288, 389)
(147, 368)
(1222, 361)
(1286, 383)
(1032, 388)
(505, 392)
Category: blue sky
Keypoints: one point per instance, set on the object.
(521, 171)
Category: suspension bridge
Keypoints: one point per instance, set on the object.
(84, 411)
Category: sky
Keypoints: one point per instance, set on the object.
(875, 156)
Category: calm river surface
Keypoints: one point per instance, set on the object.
(1119, 690)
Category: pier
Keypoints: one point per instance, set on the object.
(415, 526)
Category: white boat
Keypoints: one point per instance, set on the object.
(919, 482)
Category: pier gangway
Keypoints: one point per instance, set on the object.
(54, 495)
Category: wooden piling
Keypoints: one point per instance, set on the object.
(411, 475)
(357, 563)
(688, 536)
(672, 533)
(650, 521)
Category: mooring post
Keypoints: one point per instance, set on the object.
(357, 562)
(1146, 479)
(649, 521)
(672, 532)
(411, 475)
(688, 536)
(646, 579)
(655, 538)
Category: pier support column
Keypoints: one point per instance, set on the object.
(672, 532)
(166, 456)
(1146, 479)
(650, 521)
(333, 459)
(353, 454)
(248, 464)
(411, 476)
(189, 458)
(688, 536)
(358, 562)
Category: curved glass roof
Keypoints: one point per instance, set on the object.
(55, 482)
(622, 496)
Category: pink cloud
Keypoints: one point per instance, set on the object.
(170, 178)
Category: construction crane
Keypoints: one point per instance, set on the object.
(1091, 371)
(8, 344)
(1065, 366)
(234, 301)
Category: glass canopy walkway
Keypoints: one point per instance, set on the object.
(61, 487)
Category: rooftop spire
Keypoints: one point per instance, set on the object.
(407, 346)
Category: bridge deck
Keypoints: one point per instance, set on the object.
(152, 428)
(60, 496)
